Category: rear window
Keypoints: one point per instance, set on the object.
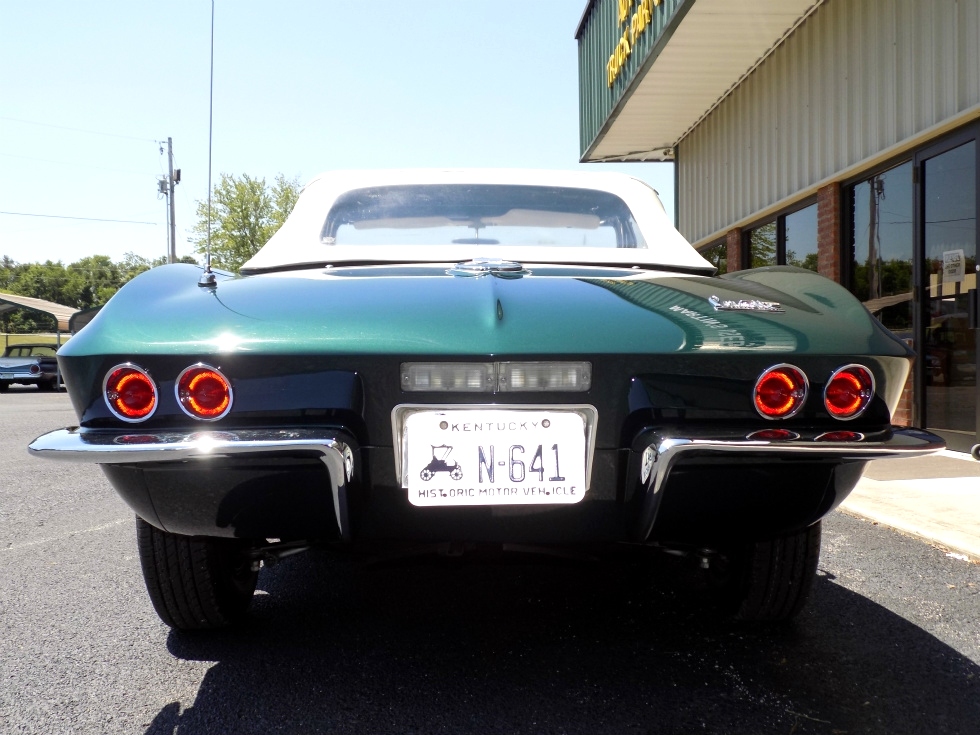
(481, 214)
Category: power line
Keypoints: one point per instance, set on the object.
(86, 166)
(87, 219)
(78, 130)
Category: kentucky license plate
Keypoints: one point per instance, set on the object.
(494, 457)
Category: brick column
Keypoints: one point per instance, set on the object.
(829, 231)
(903, 412)
(733, 247)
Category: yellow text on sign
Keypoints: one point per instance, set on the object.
(639, 22)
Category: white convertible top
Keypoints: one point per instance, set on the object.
(299, 240)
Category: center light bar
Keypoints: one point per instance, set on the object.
(496, 377)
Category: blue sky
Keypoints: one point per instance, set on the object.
(300, 86)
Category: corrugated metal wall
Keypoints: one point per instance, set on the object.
(857, 78)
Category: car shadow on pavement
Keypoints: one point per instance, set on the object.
(576, 647)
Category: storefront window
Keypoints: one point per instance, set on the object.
(762, 246)
(717, 255)
(790, 239)
(880, 244)
(950, 247)
(800, 239)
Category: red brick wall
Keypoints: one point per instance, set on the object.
(733, 245)
(829, 231)
(903, 413)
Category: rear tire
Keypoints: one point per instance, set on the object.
(195, 583)
(770, 580)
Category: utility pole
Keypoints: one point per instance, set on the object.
(173, 229)
(166, 187)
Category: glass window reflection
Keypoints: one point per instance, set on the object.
(800, 239)
(881, 238)
(950, 244)
(717, 255)
(762, 246)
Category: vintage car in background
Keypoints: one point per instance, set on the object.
(468, 359)
(29, 364)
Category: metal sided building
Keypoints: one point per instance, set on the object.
(836, 135)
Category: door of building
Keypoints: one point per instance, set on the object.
(946, 211)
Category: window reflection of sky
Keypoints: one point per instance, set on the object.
(801, 238)
(950, 203)
(882, 232)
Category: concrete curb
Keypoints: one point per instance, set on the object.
(941, 510)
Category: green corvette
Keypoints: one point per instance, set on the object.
(449, 360)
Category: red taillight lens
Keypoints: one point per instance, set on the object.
(840, 436)
(780, 392)
(130, 393)
(773, 435)
(849, 392)
(204, 393)
(35, 369)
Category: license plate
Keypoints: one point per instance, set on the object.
(6, 376)
(495, 457)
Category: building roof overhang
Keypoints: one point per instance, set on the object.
(702, 53)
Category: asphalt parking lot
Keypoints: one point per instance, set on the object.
(889, 643)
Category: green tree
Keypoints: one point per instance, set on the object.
(762, 244)
(101, 278)
(245, 213)
(285, 192)
(810, 261)
(132, 264)
(718, 257)
(88, 282)
(51, 282)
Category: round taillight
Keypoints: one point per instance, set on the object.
(204, 393)
(130, 393)
(35, 369)
(849, 392)
(780, 392)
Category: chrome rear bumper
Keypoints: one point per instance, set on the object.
(335, 449)
(661, 453)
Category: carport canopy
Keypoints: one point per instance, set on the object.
(11, 302)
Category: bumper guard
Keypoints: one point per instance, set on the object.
(335, 450)
(661, 452)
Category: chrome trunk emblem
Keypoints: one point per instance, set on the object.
(744, 305)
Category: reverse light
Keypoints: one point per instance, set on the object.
(203, 392)
(849, 392)
(780, 392)
(130, 393)
(496, 377)
(454, 377)
(571, 377)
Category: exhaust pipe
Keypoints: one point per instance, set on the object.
(976, 452)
